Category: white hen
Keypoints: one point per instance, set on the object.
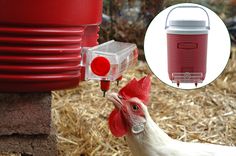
(131, 118)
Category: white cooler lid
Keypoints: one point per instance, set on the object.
(187, 27)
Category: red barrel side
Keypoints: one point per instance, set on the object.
(51, 12)
(41, 42)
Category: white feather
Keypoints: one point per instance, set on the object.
(155, 142)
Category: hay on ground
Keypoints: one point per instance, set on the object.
(202, 115)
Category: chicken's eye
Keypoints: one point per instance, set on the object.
(135, 107)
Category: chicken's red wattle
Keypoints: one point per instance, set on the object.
(117, 123)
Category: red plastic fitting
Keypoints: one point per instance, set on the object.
(119, 79)
(105, 86)
(100, 66)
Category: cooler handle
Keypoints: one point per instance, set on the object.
(187, 6)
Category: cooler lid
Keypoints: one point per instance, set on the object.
(187, 27)
(188, 23)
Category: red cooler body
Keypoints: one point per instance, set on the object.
(187, 57)
(187, 49)
(41, 42)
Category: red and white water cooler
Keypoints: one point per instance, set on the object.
(187, 47)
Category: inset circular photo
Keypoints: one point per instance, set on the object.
(187, 46)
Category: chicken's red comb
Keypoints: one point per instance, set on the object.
(139, 89)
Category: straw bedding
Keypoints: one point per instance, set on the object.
(202, 115)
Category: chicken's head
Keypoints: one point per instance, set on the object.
(130, 110)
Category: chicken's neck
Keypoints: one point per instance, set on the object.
(152, 136)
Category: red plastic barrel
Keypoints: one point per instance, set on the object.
(41, 41)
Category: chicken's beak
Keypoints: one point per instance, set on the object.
(114, 97)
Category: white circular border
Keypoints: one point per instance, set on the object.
(155, 48)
